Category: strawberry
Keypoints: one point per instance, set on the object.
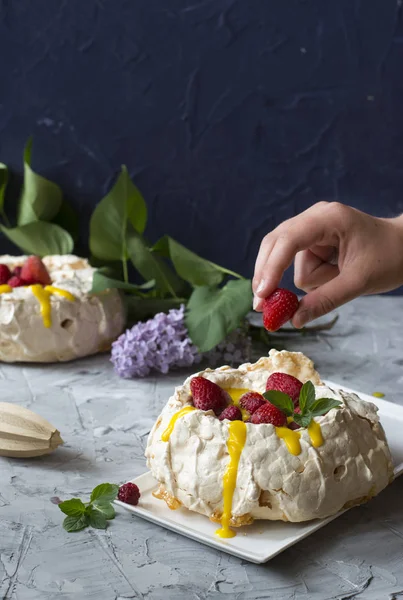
(278, 308)
(268, 413)
(285, 383)
(232, 413)
(34, 271)
(251, 401)
(16, 282)
(5, 274)
(208, 395)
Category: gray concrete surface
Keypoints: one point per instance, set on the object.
(105, 421)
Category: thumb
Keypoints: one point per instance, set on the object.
(327, 297)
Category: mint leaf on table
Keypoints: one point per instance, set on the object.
(281, 401)
(40, 199)
(40, 238)
(76, 523)
(214, 312)
(105, 492)
(96, 513)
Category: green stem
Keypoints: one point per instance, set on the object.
(125, 271)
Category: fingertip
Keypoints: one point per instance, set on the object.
(301, 318)
(258, 304)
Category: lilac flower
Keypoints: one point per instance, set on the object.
(162, 343)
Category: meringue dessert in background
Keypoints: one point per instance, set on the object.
(224, 450)
(47, 311)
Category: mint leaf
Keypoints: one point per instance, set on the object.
(281, 400)
(73, 508)
(41, 238)
(75, 523)
(152, 266)
(306, 396)
(214, 312)
(103, 280)
(40, 199)
(106, 492)
(109, 221)
(302, 420)
(105, 508)
(97, 519)
(323, 405)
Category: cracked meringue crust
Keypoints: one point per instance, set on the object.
(351, 466)
(86, 325)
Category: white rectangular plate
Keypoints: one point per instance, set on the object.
(262, 540)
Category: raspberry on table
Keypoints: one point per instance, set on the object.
(232, 413)
(129, 493)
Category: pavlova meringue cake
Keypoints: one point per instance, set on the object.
(327, 456)
(53, 316)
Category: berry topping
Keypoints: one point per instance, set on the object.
(129, 493)
(34, 271)
(5, 274)
(208, 395)
(251, 401)
(232, 413)
(285, 383)
(268, 413)
(16, 282)
(278, 308)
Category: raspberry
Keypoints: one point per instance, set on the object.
(278, 308)
(251, 401)
(285, 383)
(34, 271)
(129, 493)
(268, 413)
(17, 271)
(232, 413)
(208, 395)
(5, 274)
(16, 282)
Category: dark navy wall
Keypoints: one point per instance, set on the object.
(231, 115)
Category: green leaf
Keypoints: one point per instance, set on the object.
(96, 518)
(75, 523)
(3, 185)
(73, 508)
(214, 312)
(306, 396)
(281, 400)
(302, 420)
(67, 219)
(150, 266)
(109, 221)
(40, 199)
(192, 268)
(105, 508)
(323, 405)
(106, 492)
(140, 309)
(103, 281)
(40, 238)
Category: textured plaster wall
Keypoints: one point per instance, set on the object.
(231, 115)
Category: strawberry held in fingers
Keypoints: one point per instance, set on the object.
(278, 308)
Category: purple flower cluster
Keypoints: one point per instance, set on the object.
(161, 343)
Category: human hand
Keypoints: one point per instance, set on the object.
(340, 253)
